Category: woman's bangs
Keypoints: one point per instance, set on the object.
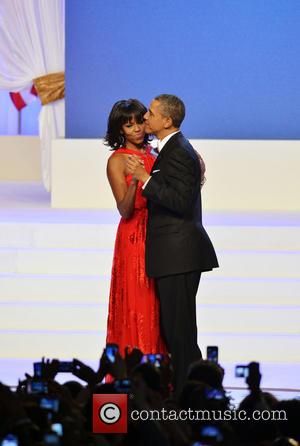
(139, 116)
(127, 115)
(133, 116)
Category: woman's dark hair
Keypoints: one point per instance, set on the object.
(122, 113)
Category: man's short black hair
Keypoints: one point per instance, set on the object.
(173, 107)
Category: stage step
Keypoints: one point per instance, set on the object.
(22, 288)
(234, 347)
(78, 261)
(87, 235)
(228, 319)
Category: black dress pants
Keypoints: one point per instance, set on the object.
(177, 295)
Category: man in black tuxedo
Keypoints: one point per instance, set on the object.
(178, 248)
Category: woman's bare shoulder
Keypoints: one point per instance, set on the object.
(116, 163)
(116, 158)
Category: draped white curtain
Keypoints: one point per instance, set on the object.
(32, 44)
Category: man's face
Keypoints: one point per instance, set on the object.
(155, 122)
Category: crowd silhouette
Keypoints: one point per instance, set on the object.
(40, 411)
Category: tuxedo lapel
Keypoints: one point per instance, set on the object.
(165, 150)
(156, 162)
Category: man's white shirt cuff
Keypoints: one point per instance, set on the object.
(146, 182)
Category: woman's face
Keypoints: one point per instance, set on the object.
(134, 132)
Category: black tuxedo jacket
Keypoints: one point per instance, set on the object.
(176, 241)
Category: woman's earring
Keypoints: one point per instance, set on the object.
(122, 140)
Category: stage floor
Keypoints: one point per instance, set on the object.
(54, 284)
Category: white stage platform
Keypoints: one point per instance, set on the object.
(54, 283)
(242, 175)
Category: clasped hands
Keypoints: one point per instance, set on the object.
(136, 168)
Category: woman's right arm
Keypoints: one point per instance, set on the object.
(124, 195)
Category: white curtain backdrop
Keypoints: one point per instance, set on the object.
(32, 44)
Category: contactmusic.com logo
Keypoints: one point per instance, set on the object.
(110, 413)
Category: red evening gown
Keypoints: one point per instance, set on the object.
(133, 317)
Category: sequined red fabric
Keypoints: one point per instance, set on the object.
(133, 318)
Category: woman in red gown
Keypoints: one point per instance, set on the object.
(133, 317)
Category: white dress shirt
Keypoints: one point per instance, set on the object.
(160, 144)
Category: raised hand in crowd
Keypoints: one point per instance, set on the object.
(132, 358)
